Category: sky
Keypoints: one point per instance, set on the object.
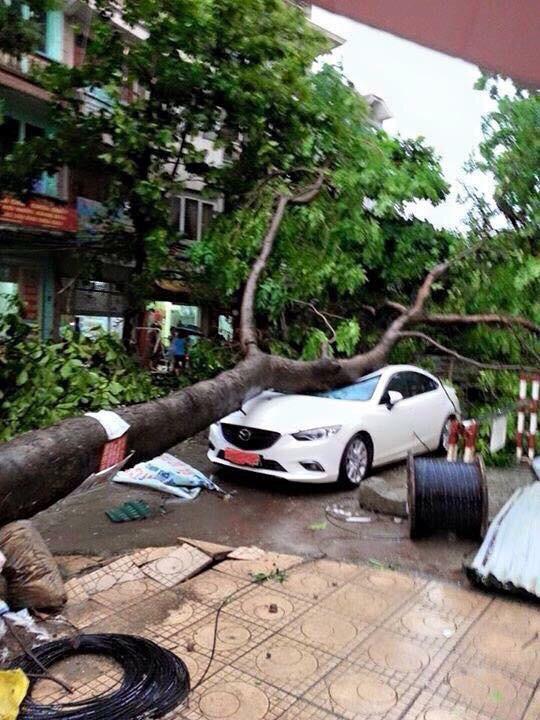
(428, 93)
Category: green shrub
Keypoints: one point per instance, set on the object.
(43, 382)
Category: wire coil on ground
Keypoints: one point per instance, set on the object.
(447, 496)
(155, 680)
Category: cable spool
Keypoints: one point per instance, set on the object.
(448, 496)
(155, 680)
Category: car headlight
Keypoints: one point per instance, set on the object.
(317, 433)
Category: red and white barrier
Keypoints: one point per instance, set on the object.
(533, 419)
(467, 430)
(532, 408)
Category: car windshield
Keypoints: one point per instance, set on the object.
(361, 390)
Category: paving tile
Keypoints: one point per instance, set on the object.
(358, 601)
(87, 676)
(521, 617)
(460, 602)
(390, 581)
(122, 594)
(340, 571)
(118, 571)
(267, 607)
(286, 664)
(429, 706)
(212, 587)
(503, 646)
(247, 553)
(334, 633)
(302, 710)
(270, 562)
(235, 637)
(354, 693)
(215, 550)
(197, 664)
(308, 584)
(482, 688)
(431, 627)
(392, 655)
(149, 554)
(533, 709)
(232, 695)
(179, 565)
(84, 613)
(167, 609)
(186, 614)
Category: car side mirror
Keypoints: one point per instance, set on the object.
(393, 397)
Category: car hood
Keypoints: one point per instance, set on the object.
(291, 413)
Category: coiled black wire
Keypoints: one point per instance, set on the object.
(446, 496)
(155, 680)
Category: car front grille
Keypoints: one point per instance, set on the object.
(248, 438)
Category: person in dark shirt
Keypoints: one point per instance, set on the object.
(178, 350)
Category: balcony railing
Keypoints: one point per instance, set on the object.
(24, 65)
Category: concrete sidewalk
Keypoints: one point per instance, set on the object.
(318, 639)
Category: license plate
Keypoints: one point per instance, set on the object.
(239, 457)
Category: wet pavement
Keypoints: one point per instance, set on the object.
(315, 640)
(269, 513)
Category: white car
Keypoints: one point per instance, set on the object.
(340, 434)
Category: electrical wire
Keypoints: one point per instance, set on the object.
(155, 680)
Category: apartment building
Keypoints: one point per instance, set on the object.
(40, 241)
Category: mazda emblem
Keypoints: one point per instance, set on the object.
(244, 434)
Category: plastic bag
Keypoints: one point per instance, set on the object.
(14, 685)
(32, 575)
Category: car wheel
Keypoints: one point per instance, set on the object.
(356, 461)
(445, 436)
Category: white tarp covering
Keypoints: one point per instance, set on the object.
(510, 552)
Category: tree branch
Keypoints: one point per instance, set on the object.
(480, 318)
(378, 353)
(248, 329)
(462, 358)
(326, 321)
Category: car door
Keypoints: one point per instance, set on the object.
(429, 410)
(398, 421)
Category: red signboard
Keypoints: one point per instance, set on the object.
(39, 214)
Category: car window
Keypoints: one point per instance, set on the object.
(398, 383)
(419, 384)
(362, 390)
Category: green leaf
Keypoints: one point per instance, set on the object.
(22, 377)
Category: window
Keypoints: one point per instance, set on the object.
(398, 383)
(419, 384)
(410, 384)
(362, 390)
(50, 24)
(9, 134)
(192, 215)
(13, 131)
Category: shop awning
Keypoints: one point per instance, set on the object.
(498, 35)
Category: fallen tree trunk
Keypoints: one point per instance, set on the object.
(42, 466)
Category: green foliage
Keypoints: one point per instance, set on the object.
(19, 25)
(43, 382)
(208, 358)
(510, 151)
